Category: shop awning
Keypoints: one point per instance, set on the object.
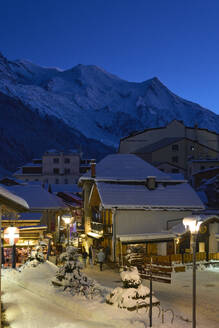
(162, 236)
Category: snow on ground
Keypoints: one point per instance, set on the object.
(32, 302)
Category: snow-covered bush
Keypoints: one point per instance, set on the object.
(35, 258)
(70, 277)
(133, 294)
(130, 277)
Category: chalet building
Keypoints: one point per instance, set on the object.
(31, 230)
(42, 218)
(54, 168)
(128, 201)
(173, 148)
(10, 205)
(207, 243)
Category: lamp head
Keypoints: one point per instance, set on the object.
(192, 224)
(67, 219)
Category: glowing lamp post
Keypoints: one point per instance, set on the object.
(11, 235)
(67, 219)
(193, 225)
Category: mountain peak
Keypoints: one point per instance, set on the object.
(93, 71)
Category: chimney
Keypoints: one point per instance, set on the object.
(93, 168)
(151, 182)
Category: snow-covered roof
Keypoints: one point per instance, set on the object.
(57, 152)
(27, 216)
(177, 176)
(32, 165)
(202, 195)
(37, 197)
(139, 196)
(31, 216)
(205, 160)
(127, 167)
(33, 227)
(208, 169)
(72, 188)
(146, 237)
(15, 200)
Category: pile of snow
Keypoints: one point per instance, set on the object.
(133, 294)
(70, 277)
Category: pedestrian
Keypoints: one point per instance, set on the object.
(84, 256)
(100, 258)
(91, 255)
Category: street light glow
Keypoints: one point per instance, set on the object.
(67, 219)
(193, 224)
(11, 235)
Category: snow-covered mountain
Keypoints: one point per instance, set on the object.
(95, 107)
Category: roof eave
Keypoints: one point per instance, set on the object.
(152, 208)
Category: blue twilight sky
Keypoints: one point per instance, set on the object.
(175, 40)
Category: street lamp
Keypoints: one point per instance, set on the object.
(193, 225)
(67, 219)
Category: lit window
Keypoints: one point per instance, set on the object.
(192, 148)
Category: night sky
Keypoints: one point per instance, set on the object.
(177, 41)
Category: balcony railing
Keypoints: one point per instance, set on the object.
(101, 228)
(97, 227)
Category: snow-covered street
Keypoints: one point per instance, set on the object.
(32, 302)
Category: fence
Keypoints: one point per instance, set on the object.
(139, 259)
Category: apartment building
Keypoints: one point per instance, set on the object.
(171, 148)
(54, 168)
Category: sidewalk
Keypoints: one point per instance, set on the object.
(109, 278)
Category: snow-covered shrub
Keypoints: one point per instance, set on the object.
(130, 277)
(70, 277)
(133, 294)
(35, 258)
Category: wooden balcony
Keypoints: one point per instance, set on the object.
(100, 228)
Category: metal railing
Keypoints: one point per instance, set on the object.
(139, 259)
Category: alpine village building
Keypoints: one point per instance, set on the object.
(175, 148)
(128, 202)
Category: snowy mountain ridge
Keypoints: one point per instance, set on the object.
(96, 104)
